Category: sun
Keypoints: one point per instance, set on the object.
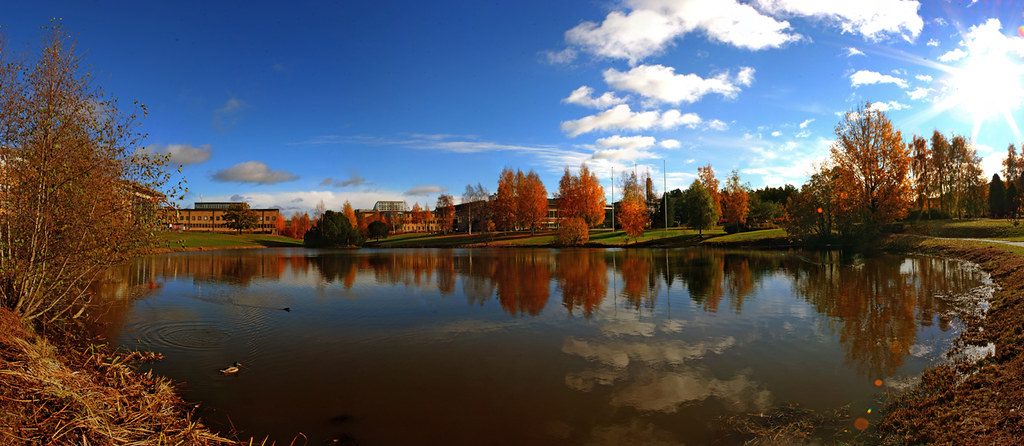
(988, 85)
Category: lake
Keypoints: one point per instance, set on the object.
(534, 346)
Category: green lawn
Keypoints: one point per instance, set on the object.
(974, 228)
(179, 240)
(761, 237)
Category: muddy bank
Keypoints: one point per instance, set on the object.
(59, 390)
(967, 402)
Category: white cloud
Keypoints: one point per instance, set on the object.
(647, 27)
(718, 125)
(585, 96)
(923, 78)
(867, 77)
(802, 134)
(181, 154)
(919, 93)
(621, 117)
(776, 134)
(953, 56)
(873, 19)
(888, 106)
(986, 38)
(745, 77)
(670, 143)
(624, 147)
(852, 51)
(806, 123)
(253, 172)
(661, 83)
(562, 57)
(789, 162)
(932, 42)
(424, 190)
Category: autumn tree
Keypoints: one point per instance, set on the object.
(1011, 165)
(939, 179)
(872, 163)
(417, 214)
(78, 193)
(706, 175)
(240, 217)
(445, 209)
(735, 203)
(319, 210)
(572, 232)
(920, 168)
(280, 226)
(350, 214)
(581, 196)
(532, 201)
(474, 198)
(504, 209)
(428, 215)
(632, 214)
(701, 212)
(811, 213)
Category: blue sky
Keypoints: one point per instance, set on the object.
(286, 104)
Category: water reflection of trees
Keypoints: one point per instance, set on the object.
(583, 279)
(874, 305)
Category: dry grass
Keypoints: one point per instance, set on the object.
(979, 403)
(86, 396)
(787, 425)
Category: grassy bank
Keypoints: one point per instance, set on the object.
(962, 402)
(974, 228)
(185, 241)
(78, 394)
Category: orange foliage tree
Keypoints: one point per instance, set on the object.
(633, 215)
(532, 201)
(706, 175)
(735, 201)
(417, 213)
(445, 209)
(350, 214)
(581, 196)
(504, 207)
(873, 165)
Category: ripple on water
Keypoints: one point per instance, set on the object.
(182, 335)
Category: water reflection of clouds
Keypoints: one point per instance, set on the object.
(658, 375)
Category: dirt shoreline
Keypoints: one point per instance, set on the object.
(964, 402)
(59, 389)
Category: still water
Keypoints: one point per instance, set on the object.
(532, 346)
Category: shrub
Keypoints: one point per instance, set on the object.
(573, 232)
(377, 230)
(332, 230)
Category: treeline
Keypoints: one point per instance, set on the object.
(874, 179)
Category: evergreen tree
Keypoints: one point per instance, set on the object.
(1012, 200)
(333, 230)
(996, 197)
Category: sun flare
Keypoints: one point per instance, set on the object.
(988, 86)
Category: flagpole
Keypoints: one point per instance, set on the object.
(664, 191)
(613, 199)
